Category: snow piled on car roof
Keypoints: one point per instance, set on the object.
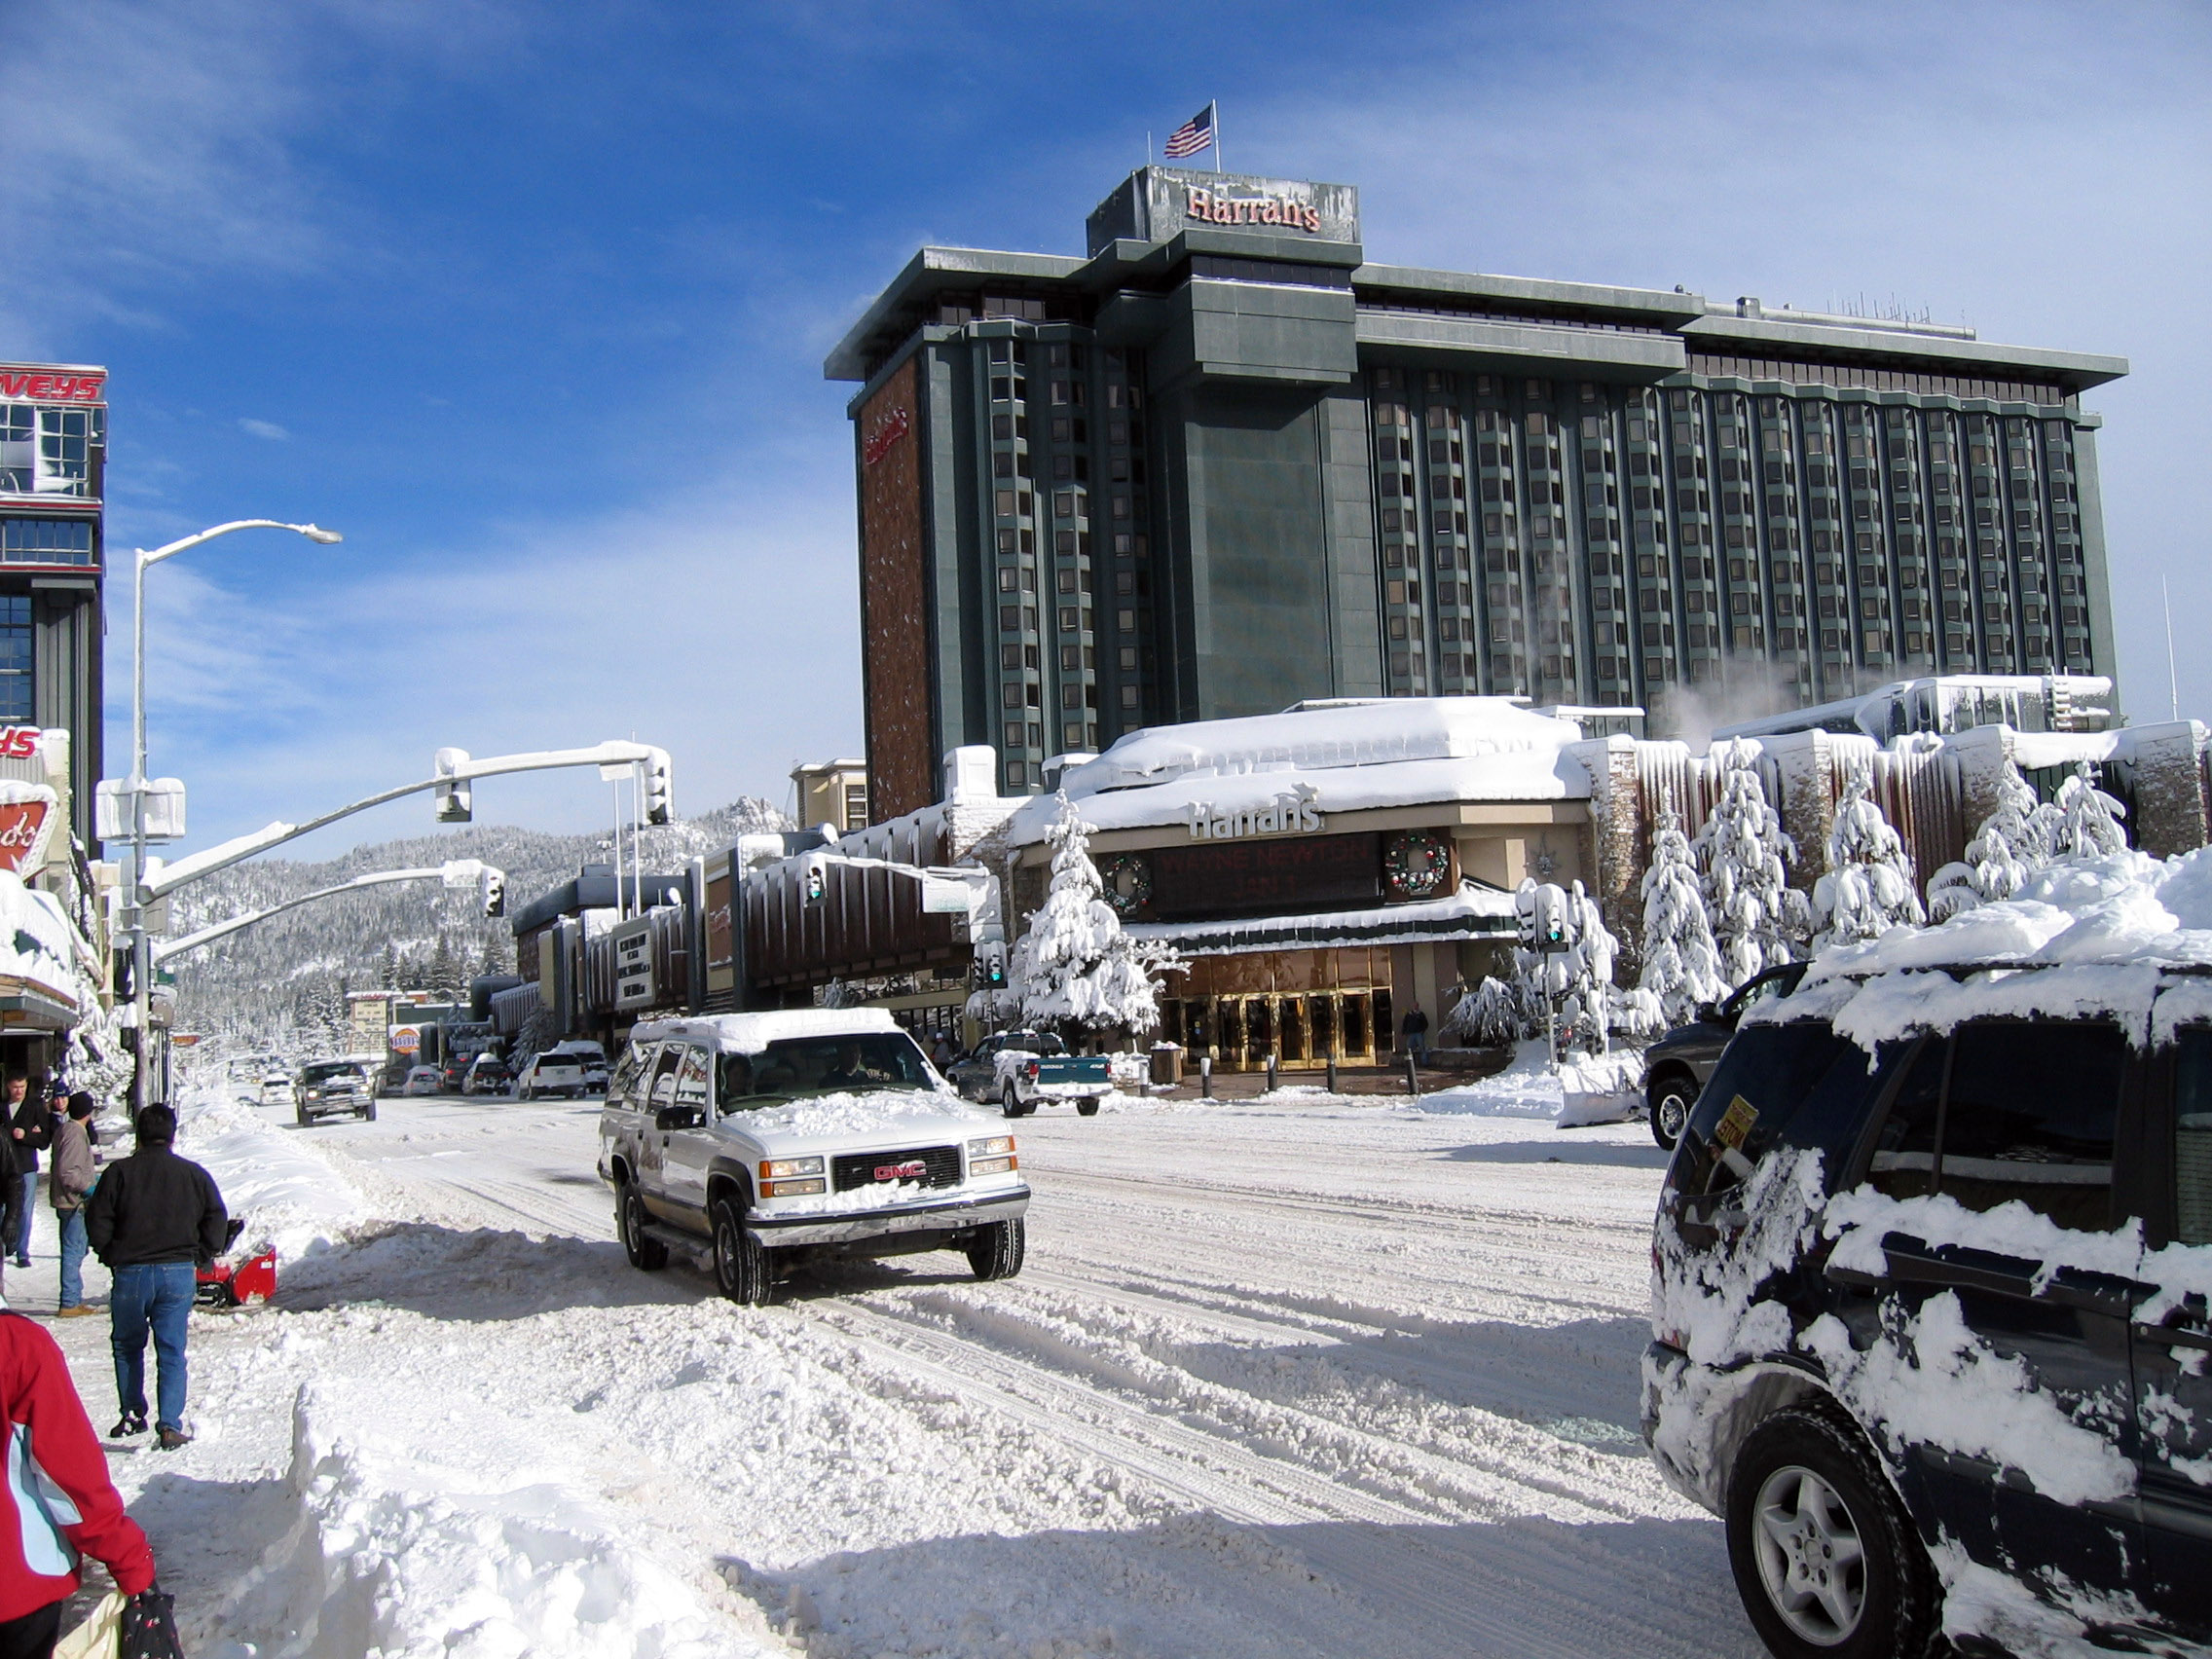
(2086, 936)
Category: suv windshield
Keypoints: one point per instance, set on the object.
(822, 1065)
(330, 1073)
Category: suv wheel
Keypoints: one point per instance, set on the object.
(1671, 1099)
(1825, 1556)
(1086, 1108)
(369, 1113)
(1010, 1101)
(996, 1251)
(647, 1254)
(306, 1118)
(741, 1265)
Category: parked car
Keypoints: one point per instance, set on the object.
(325, 1088)
(590, 1058)
(423, 1080)
(976, 1074)
(1929, 1316)
(275, 1081)
(715, 1148)
(488, 1074)
(551, 1073)
(1676, 1067)
(452, 1074)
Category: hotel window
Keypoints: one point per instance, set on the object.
(45, 541)
(15, 659)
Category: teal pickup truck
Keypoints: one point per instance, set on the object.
(1019, 1069)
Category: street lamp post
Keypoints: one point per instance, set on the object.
(134, 913)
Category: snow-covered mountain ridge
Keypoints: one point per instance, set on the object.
(292, 968)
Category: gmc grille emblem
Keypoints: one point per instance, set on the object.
(913, 1170)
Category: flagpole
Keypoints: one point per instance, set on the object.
(1213, 107)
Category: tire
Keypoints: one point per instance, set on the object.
(1086, 1108)
(1670, 1098)
(647, 1254)
(741, 1265)
(306, 1118)
(1805, 1490)
(369, 1113)
(525, 1094)
(1011, 1102)
(997, 1250)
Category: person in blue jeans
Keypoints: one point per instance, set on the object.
(69, 1180)
(28, 1130)
(152, 1217)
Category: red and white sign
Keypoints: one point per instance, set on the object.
(913, 1170)
(44, 385)
(24, 826)
(405, 1039)
(19, 743)
(892, 425)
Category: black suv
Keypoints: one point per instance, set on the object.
(1676, 1067)
(1930, 1318)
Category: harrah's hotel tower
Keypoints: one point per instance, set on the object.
(1225, 462)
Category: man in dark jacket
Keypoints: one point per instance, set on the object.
(150, 1219)
(68, 1182)
(29, 1132)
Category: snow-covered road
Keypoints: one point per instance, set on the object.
(1313, 1379)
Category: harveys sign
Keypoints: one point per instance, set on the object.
(19, 743)
(883, 432)
(44, 385)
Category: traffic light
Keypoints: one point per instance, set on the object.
(659, 787)
(492, 888)
(994, 972)
(455, 800)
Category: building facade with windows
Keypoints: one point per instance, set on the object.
(52, 457)
(1223, 462)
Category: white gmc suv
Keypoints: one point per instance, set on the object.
(748, 1138)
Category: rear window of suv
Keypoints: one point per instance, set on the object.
(1797, 1084)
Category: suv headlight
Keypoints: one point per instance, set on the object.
(994, 1155)
(776, 1169)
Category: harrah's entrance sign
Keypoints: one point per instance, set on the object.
(1204, 204)
(1291, 813)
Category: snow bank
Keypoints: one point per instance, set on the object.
(1600, 1090)
(390, 1554)
(290, 1198)
(846, 1114)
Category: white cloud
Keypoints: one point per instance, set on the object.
(263, 429)
(721, 628)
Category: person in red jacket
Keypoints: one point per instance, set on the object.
(58, 1503)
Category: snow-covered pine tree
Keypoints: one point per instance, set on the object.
(1495, 1012)
(2083, 822)
(1681, 964)
(1586, 1014)
(445, 971)
(1867, 889)
(1741, 854)
(1074, 966)
(2003, 853)
(389, 970)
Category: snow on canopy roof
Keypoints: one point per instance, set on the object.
(1395, 751)
(2086, 936)
(750, 1033)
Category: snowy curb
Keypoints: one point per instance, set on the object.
(389, 1555)
(290, 1198)
(1592, 1090)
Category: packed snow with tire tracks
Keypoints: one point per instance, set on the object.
(1278, 1378)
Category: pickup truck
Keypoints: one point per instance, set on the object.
(754, 1141)
(1026, 1073)
(324, 1088)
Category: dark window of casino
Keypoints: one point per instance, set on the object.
(45, 542)
(15, 659)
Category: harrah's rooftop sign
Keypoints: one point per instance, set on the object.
(1212, 209)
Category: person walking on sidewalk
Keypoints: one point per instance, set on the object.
(68, 1182)
(57, 1503)
(1414, 1028)
(28, 1131)
(152, 1216)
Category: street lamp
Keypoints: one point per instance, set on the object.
(141, 953)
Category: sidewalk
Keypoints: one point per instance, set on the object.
(1446, 1068)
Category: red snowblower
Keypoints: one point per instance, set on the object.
(225, 1283)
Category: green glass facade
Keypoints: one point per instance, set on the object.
(1215, 468)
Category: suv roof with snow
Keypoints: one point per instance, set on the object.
(1933, 1257)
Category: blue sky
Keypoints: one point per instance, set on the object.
(530, 300)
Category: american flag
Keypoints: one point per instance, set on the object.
(1194, 135)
